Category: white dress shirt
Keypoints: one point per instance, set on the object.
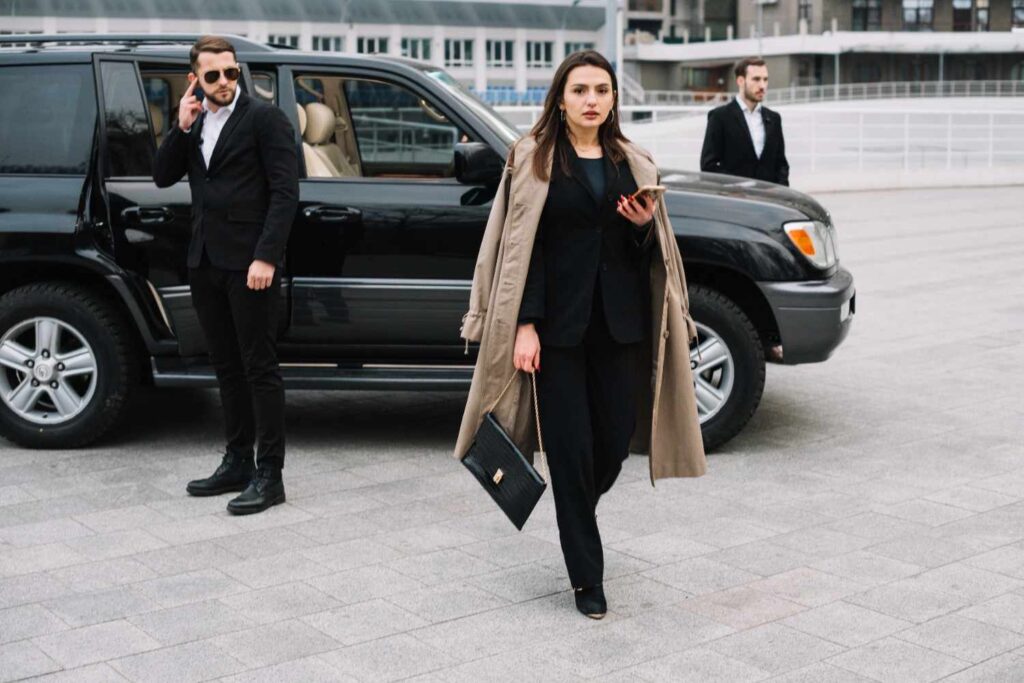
(755, 124)
(213, 124)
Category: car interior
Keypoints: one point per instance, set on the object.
(350, 128)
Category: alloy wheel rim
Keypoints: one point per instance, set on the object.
(714, 372)
(48, 371)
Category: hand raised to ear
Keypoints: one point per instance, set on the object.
(189, 107)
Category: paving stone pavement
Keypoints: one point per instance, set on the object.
(867, 525)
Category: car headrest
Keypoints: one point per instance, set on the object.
(302, 119)
(157, 114)
(319, 123)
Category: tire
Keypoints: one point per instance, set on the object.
(101, 370)
(736, 372)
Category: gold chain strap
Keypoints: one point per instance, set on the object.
(545, 472)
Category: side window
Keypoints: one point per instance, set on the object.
(372, 129)
(163, 86)
(264, 86)
(47, 119)
(129, 145)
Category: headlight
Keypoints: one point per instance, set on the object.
(815, 240)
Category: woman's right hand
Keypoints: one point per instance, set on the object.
(526, 355)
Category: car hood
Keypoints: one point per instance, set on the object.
(721, 189)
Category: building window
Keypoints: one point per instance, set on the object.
(416, 48)
(917, 15)
(867, 15)
(981, 15)
(281, 39)
(328, 44)
(576, 47)
(539, 54)
(1018, 13)
(500, 53)
(372, 45)
(458, 52)
(804, 11)
(970, 16)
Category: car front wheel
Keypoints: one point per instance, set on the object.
(728, 370)
(67, 366)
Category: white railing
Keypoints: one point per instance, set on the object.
(839, 147)
(849, 91)
(848, 147)
(525, 117)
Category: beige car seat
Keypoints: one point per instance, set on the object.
(315, 167)
(320, 127)
(157, 115)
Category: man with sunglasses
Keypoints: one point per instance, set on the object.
(240, 157)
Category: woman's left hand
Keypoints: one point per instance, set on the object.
(639, 212)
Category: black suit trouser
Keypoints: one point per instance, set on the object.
(240, 328)
(587, 415)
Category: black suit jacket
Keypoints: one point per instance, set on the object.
(729, 149)
(582, 243)
(243, 205)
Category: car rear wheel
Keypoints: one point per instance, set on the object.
(729, 370)
(67, 366)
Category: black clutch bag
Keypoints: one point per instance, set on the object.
(504, 472)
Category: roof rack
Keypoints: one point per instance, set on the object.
(130, 40)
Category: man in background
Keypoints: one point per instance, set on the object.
(744, 137)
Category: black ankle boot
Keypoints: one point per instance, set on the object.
(265, 490)
(233, 474)
(591, 602)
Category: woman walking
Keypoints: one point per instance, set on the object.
(583, 285)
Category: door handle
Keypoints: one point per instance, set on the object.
(331, 214)
(148, 215)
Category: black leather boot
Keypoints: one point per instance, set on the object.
(591, 602)
(265, 490)
(233, 474)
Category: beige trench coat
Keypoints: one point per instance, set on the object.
(667, 423)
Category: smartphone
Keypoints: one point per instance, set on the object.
(652, 191)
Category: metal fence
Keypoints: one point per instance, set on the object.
(834, 147)
(855, 137)
(799, 94)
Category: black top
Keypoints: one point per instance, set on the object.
(729, 149)
(594, 171)
(584, 250)
(243, 205)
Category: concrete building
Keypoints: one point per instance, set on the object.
(507, 50)
(822, 42)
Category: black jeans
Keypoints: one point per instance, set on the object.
(587, 417)
(240, 328)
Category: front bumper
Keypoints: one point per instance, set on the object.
(813, 316)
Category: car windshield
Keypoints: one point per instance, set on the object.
(505, 130)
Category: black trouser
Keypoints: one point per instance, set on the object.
(587, 416)
(240, 327)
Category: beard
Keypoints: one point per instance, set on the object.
(222, 99)
(752, 95)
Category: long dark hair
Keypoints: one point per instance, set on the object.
(552, 133)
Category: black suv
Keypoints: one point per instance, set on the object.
(400, 165)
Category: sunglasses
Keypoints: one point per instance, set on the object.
(231, 73)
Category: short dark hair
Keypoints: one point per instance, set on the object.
(741, 66)
(209, 44)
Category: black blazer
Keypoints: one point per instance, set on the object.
(243, 205)
(729, 149)
(582, 243)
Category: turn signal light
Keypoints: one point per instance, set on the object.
(815, 240)
(803, 241)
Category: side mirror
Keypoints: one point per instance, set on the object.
(477, 164)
